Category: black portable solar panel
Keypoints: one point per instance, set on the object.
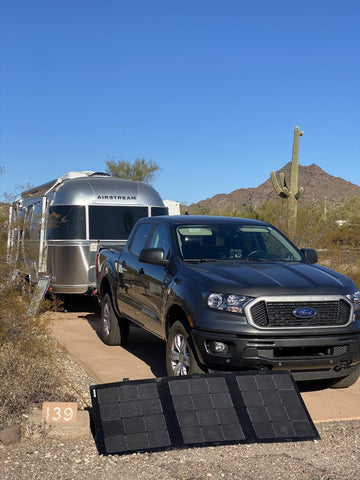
(198, 410)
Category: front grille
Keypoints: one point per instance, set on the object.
(278, 314)
(302, 352)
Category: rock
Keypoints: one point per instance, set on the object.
(60, 431)
(11, 435)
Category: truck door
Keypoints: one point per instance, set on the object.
(152, 283)
(127, 272)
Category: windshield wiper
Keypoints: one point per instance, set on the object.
(259, 259)
(201, 260)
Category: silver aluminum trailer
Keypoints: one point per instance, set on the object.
(55, 229)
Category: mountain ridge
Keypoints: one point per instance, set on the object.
(319, 186)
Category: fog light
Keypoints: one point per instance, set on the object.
(218, 347)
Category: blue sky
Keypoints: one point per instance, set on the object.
(211, 90)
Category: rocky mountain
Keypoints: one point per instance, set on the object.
(318, 187)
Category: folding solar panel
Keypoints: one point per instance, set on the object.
(198, 410)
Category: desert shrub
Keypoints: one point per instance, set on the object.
(345, 261)
(27, 380)
(29, 374)
(271, 212)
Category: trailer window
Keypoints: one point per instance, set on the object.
(155, 211)
(35, 221)
(113, 222)
(66, 222)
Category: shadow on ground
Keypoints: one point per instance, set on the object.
(79, 303)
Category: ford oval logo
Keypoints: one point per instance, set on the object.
(304, 312)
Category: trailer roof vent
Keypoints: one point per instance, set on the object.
(69, 175)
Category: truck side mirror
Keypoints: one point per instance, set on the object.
(155, 256)
(310, 255)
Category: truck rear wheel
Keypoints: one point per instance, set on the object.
(114, 330)
(180, 357)
(345, 382)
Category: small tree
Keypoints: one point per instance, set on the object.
(139, 171)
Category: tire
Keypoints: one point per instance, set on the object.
(114, 330)
(180, 357)
(345, 382)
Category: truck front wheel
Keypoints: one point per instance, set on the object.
(180, 357)
(345, 382)
(114, 330)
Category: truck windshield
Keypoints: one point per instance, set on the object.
(234, 242)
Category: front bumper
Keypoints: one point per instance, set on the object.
(308, 357)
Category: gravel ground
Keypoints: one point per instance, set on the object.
(335, 456)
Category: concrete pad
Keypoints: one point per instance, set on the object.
(144, 357)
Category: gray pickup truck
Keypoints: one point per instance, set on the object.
(231, 294)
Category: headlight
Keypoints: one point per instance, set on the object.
(355, 298)
(227, 303)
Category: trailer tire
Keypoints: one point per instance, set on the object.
(114, 330)
(348, 381)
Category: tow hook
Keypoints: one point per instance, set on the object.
(342, 365)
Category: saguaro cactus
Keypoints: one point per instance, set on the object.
(292, 193)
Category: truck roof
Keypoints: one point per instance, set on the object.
(202, 219)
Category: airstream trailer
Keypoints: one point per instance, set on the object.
(56, 228)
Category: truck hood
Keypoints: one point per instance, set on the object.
(268, 278)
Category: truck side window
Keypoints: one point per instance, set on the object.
(160, 240)
(139, 239)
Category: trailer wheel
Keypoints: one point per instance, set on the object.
(114, 330)
(180, 357)
(345, 382)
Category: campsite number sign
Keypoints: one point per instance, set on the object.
(59, 412)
